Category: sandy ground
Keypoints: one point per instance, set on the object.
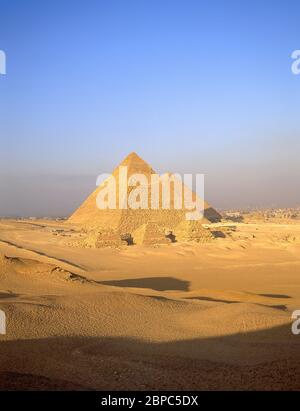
(179, 316)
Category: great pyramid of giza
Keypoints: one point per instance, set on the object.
(126, 221)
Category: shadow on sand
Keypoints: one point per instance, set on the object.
(154, 283)
(261, 360)
(275, 295)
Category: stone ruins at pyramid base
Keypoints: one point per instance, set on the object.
(192, 231)
(148, 234)
(118, 227)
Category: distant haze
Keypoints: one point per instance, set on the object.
(192, 87)
(60, 195)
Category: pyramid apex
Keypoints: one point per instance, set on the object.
(136, 164)
(133, 153)
(133, 156)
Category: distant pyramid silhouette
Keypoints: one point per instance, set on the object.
(128, 220)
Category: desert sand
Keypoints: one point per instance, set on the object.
(183, 315)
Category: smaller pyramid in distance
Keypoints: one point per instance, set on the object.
(128, 220)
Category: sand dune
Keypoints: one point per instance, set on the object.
(177, 316)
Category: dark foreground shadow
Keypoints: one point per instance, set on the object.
(13, 381)
(154, 283)
(262, 360)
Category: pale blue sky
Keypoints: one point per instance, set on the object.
(190, 85)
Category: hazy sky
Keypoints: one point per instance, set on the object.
(191, 86)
